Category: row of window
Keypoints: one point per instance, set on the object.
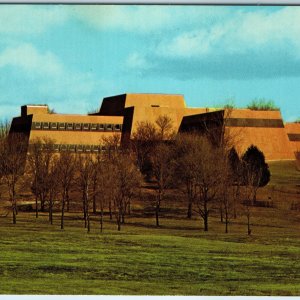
(79, 148)
(75, 126)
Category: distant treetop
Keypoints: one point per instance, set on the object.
(262, 104)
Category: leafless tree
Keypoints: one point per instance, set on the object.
(165, 127)
(208, 178)
(66, 166)
(127, 180)
(4, 129)
(161, 165)
(13, 151)
(86, 170)
(186, 147)
(142, 143)
(39, 162)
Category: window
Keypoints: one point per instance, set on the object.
(61, 126)
(79, 148)
(72, 148)
(86, 126)
(94, 126)
(45, 125)
(56, 147)
(87, 148)
(69, 126)
(36, 125)
(101, 127)
(63, 147)
(109, 127)
(95, 148)
(53, 125)
(117, 127)
(77, 126)
(103, 148)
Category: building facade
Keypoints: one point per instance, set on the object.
(121, 114)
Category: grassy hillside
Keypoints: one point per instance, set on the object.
(176, 259)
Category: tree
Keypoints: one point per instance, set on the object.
(161, 166)
(185, 167)
(13, 151)
(142, 142)
(165, 127)
(66, 166)
(39, 163)
(127, 180)
(208, 178)
(236, 175)
(256, 171)
(4, 129)
(105, 192)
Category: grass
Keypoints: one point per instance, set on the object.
(176, 259)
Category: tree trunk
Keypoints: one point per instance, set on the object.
(205, 216)
(248, 221)
(110, 211)
(68, 200)
(119, 220)
(94, 204)
(221, 213)
(36, 207)
(51, 212)
(84, 209)
(42, 204)
(226, 219)
(189, 210)
(62, 213)
(14, 206)
(157, 210)
(101, 219)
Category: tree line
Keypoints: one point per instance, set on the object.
(211, 177)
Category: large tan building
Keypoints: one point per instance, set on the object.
(121, 114)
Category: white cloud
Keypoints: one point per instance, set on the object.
(27, 19)
(28, 59)
(136, 60)
(238, 33)
(143, 19)
(26, 72)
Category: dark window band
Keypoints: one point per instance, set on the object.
(58, 126)
(244, 122)
(294, 137)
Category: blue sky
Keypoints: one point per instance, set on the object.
(70, 57)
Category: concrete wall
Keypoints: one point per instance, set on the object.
(293, 133)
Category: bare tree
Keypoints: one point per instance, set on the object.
(13, 151)
(165, 127)
(39, 162)
(86, 170)
(4, 129)
(161, 165)
(142, 143)
(208, 178)
(66, 166)
(127, 180)
(186, 147)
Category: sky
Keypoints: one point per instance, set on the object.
(72, 56)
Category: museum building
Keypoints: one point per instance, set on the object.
(120, 115)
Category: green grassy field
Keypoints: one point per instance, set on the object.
(176, 259)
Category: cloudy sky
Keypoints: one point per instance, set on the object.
(70, 57)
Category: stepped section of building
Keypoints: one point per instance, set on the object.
(293, 133)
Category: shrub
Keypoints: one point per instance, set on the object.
(262, 104)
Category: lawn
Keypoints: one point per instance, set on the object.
(178, 258)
